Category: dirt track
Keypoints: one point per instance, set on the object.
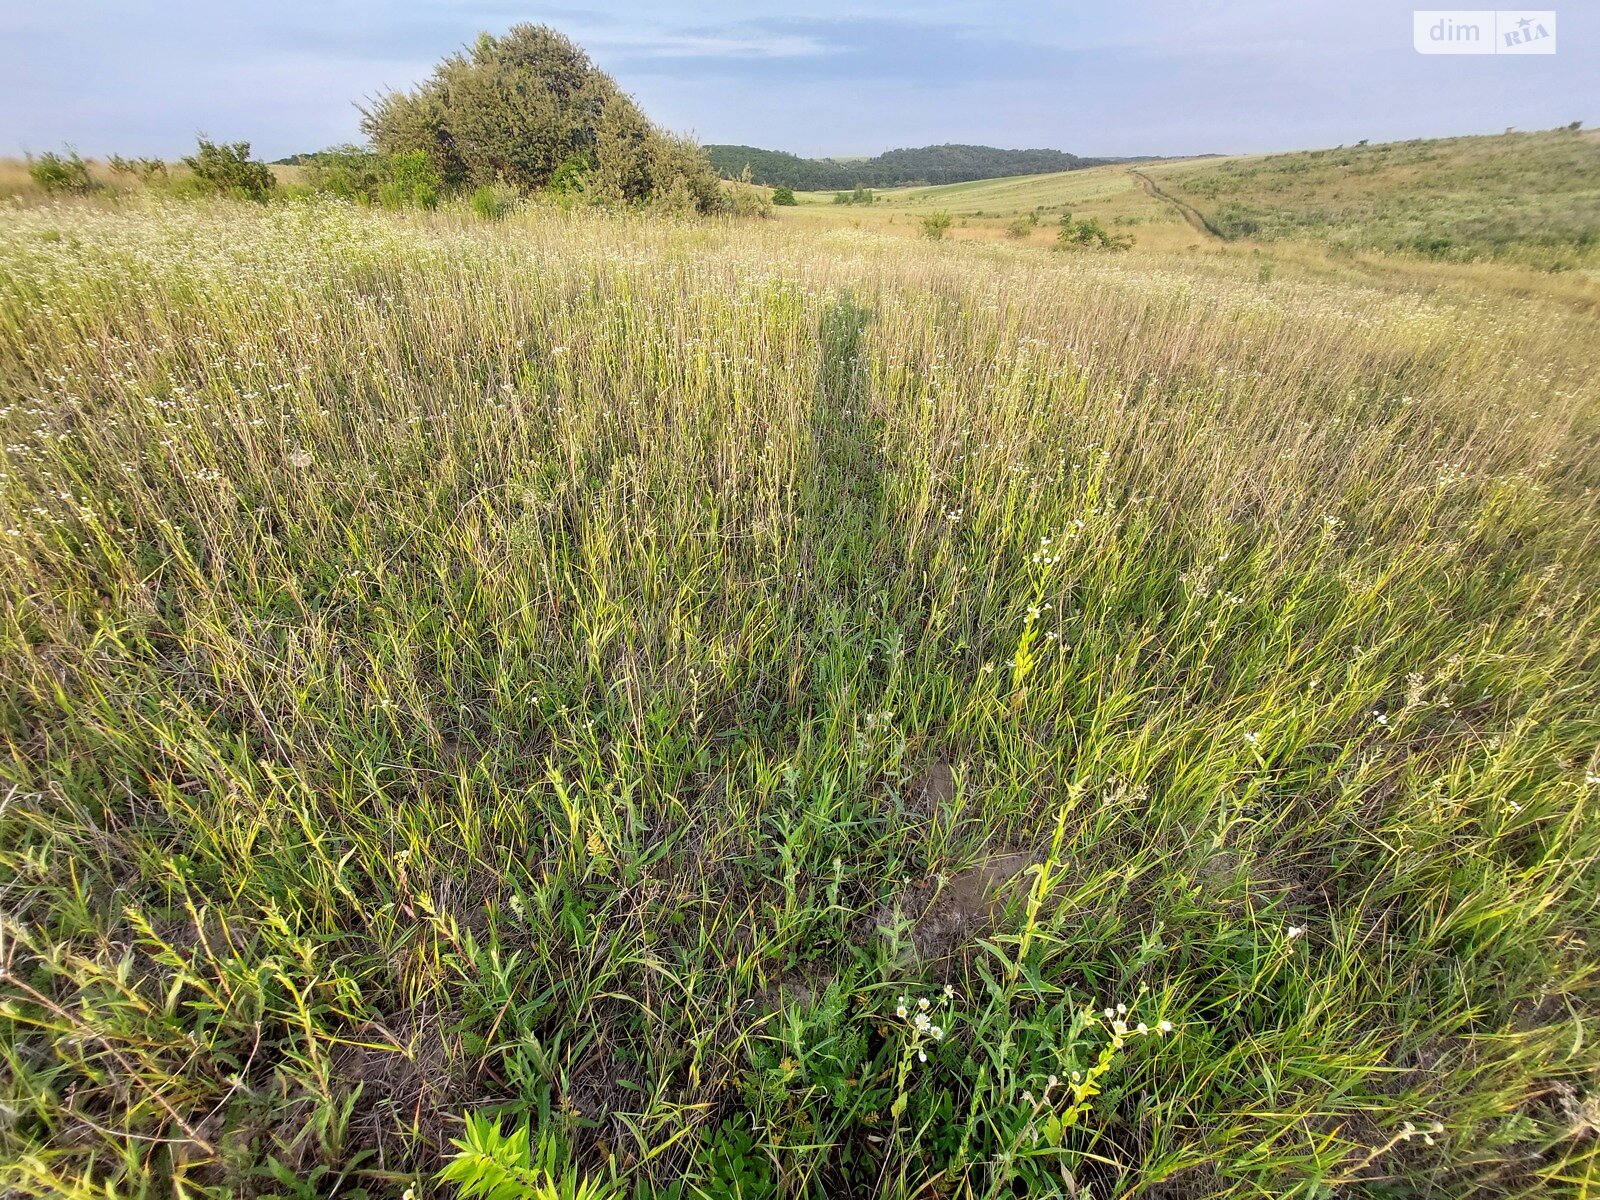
(1192, 215)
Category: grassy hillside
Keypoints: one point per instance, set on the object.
(1532, 198)
(984, 209)
(612, 675)
(1523, 200)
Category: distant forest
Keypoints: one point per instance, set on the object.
(895, 168)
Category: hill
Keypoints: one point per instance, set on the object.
(947, 163)
(1528, 200)
(1530, 197)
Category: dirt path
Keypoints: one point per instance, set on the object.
(1192, 215)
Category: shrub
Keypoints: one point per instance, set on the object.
(745, 199)
(572, 176)
(347, 171)
(493, 202)
(413, 181)
(936, 224)
(784, 196)
(519, 108)
(148, 171)
(60, 172)
(1434, 245)
(1088, 233)
(226, 168)
(1022, 226)
(406, 180)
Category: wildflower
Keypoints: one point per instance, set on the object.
(900, 1011)
(1164, 1027)
(949, 992)
(300, 459)
(1295, 931)
(923, 1003)
(410, 1193)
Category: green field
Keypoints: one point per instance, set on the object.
(983, 208)
(777, 710)
(1530, 200)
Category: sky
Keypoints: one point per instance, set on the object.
(827, 78)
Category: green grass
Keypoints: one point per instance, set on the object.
(1019, 194)
(589, 675)
(1531, 198)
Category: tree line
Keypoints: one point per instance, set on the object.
(947, 163)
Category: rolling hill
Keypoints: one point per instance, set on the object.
(1525, 197)
(1528, 199)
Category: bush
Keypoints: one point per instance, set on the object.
(1089, 234)
(784, 197)
(227, 169)
(1434, 245)
(936, 224)
(60, 172)
(413, 181)
(148, 171)
(348, 172)
(518, 109)
(1022, 226)
(407, 180)
(745, 199)
(571, 178)
(493, 202)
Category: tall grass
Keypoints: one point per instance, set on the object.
(602, 676)
(1525, 198)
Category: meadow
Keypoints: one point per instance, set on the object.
(1529, 201)
(1526, 198)
(609, 705)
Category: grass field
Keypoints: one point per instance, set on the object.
(1531, 198)
(1528, 200)
(984, 208)
(611, 674)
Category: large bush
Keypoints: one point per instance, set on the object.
(514, 109)
(226, 168)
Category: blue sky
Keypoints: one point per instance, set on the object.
(1135, 77)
